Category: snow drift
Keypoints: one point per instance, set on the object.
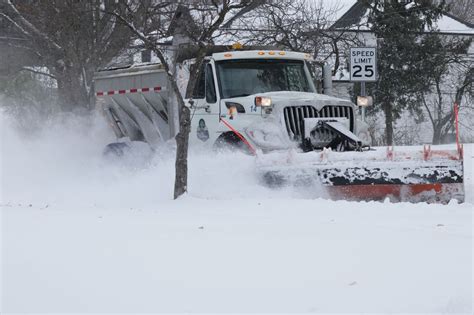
(84, 233)
(64, 163)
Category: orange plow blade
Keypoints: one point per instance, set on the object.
(439, 193)
(410, 174)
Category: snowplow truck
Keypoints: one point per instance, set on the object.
(266, 103)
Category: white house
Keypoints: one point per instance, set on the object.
(355, 20)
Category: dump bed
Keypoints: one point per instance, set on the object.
(135, 100)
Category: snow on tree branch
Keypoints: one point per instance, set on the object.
(27, 27)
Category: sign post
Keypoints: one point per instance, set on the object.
(363, 94)
(363, 68)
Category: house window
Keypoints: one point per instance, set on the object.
(146, 55)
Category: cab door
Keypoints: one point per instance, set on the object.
(204, 110)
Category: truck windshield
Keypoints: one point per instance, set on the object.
(252, 76)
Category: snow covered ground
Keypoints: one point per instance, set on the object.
(84, 234)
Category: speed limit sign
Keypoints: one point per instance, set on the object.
(363, 64)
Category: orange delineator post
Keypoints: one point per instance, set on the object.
(456, 121)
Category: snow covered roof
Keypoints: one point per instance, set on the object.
(356, 18)
(451, 24)
(341, 7)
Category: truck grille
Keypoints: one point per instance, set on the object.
(294, 116)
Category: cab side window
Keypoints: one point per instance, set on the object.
(205, 87)
(199, 88)
(210, 87)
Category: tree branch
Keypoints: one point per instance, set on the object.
(29, 28)
(38, 72)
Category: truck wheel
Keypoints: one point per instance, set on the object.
(116, 149)
(230, 141)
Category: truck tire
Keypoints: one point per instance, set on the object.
(231, 142)
(116, 149)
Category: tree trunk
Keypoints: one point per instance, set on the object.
(182, 138)
(436, 134)
(71, 92)
(387, 108)
(182, 141)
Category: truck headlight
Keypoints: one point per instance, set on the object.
(263, 101)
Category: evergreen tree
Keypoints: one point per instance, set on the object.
(398, 26)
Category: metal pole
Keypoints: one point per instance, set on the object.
(363, 93)
(327, 79)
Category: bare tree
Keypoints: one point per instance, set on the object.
(298, 25)
(69, 38)
(463, 9)
(439, 104)
(200, 21)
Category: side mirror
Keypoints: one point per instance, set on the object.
(191, 103)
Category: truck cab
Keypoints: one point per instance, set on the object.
(267, 97)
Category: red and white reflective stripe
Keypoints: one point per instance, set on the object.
(115, 92)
